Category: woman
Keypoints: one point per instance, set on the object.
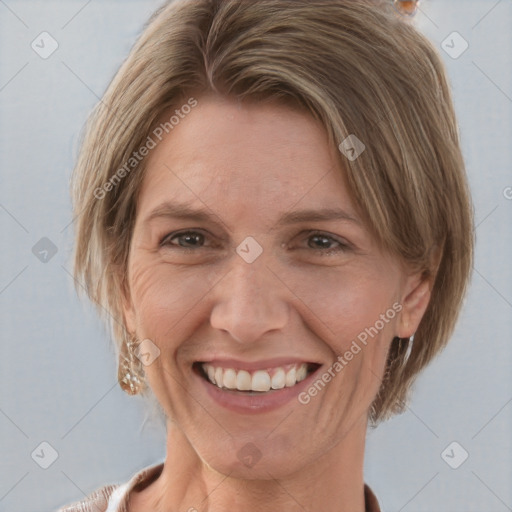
(271, 204)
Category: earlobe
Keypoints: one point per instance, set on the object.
(414, 305)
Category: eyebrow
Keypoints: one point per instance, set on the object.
(187, 212)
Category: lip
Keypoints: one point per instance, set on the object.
(249, 366)
(245, 403)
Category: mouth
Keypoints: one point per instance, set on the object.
(254, 382)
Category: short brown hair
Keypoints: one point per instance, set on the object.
(359, 68)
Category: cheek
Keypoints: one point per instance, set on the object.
(346, 303)
(162, 295)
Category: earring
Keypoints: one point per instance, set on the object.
(407, 7)
(130, 373)
(408, 349)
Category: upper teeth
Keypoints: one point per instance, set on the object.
(260, 380)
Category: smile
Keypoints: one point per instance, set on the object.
(256, 381)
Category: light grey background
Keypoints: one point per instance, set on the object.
(57, 370)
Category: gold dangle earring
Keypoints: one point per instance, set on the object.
(130, 373)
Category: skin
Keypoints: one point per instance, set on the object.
(247, 164)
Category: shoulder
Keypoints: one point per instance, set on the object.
(95, 502)
(114, 498)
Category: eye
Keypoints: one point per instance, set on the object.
(324, 243)
(186, 240)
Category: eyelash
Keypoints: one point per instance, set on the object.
(165, 241)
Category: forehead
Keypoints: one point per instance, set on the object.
(245, 156)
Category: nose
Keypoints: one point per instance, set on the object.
(249, 301)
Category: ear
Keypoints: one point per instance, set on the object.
(127, 307)
(417, 293)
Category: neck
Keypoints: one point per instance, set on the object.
(332, 483)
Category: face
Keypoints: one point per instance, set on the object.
(269, 301)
